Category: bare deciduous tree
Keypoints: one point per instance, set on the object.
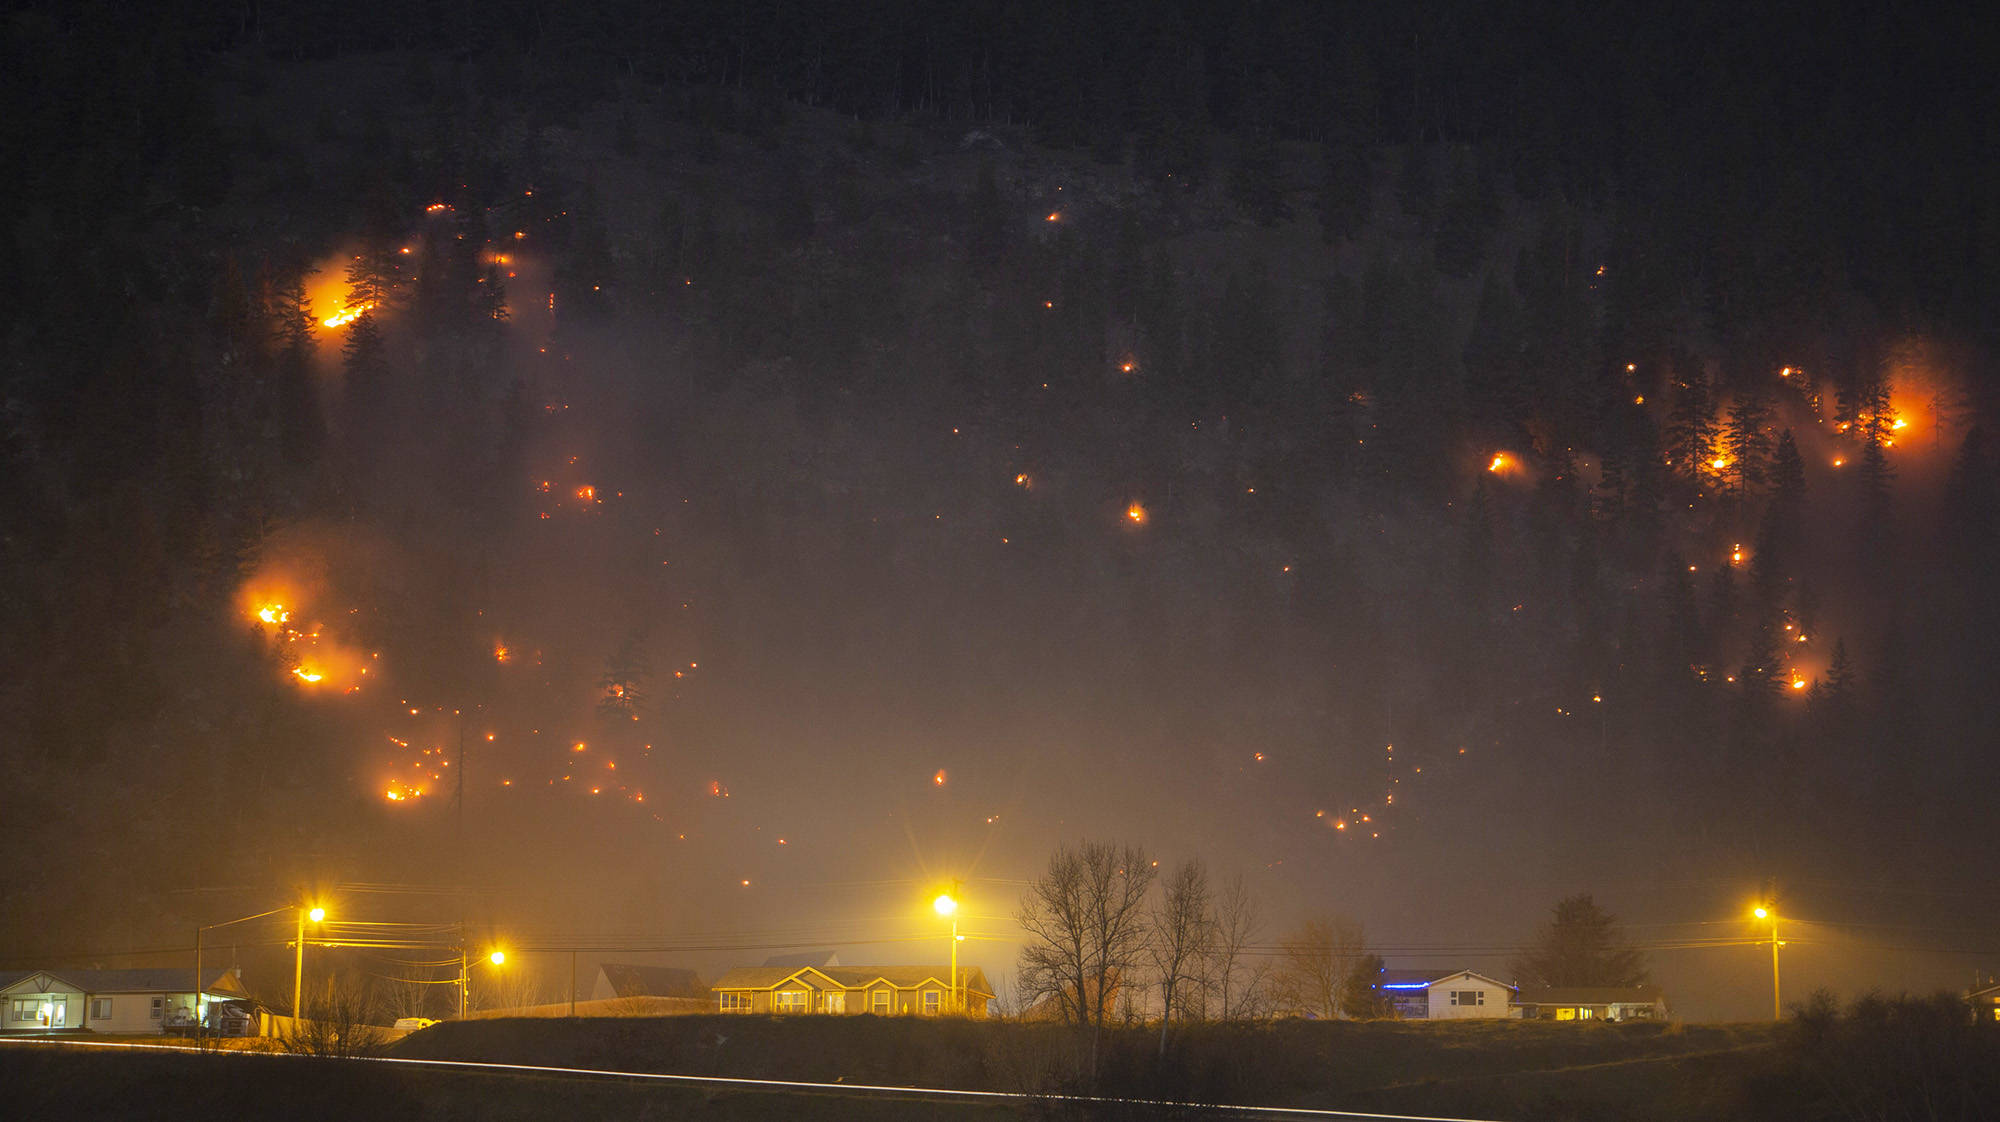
(1236, 978)
(1087, 930)
(1183, 932)
(1319, 958)
(342, 1023)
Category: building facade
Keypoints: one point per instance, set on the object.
(881, 990)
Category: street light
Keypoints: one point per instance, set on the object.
(947, 905)
(497, 958)
(316, 914)
(1762, 912)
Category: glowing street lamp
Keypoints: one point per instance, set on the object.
(1762, 912)
(316, 914)
(498, 957)
(947, 905)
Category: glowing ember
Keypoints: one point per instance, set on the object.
(1136, 514)
(502, 653)
(274, 613)
(347, 315)
(1718, 463)
(1501, 462)
(939, 778)
(305, 675)
(1055, 216)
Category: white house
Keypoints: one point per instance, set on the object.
(1466, 995)
(1594, 1003)
(123, 1002)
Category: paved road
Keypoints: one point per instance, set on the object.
(936, 1094)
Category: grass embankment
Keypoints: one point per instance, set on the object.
(58, 1082)
(1559, 1070)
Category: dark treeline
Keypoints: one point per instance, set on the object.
(1352, 254)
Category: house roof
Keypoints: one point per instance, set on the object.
(142, 980)
(633, 980)
(1457, 974)
(821, 959)
(1410, 980)
(853, 977)
(1590, 995)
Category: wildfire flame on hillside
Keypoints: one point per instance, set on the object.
(348, 315)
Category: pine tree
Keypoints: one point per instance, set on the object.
(1691, 431)
(1747, 444)
(1582, 945)
(301, 427)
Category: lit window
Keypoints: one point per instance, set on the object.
(735, 1003)
(931, 1000)
(833, 1001)
(878, 1002)
(792, 1001)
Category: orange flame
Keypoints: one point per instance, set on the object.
(347, 315)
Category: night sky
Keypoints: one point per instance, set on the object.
(1426, 462)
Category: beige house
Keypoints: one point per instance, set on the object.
(1466, 996)
(1593, 1003)
(882, 990)
(124, 1002)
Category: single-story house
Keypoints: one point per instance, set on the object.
(883, 990)
(1446, 995)
(1985, 1002)
(125, 1002)
(1593, 1003)
(624, 979)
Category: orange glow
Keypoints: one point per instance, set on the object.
(274, 613)
(398, 792)
(586, 493)
(304, 674)
(1900, 423)
(939, 778)
(1718, 463)
(347, 315)
(502, 653)
(1501, 462)
(1839, 462)
(1055, 216)
(1136, 514)
(1022, 480)
(1798, 683)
